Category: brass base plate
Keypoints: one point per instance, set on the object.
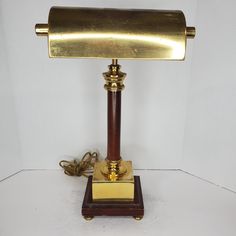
(133, 208)
(104, 189)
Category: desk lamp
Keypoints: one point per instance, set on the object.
(78, 32)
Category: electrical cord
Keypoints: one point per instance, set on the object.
(83, 167)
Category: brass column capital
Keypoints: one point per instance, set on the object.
(114, 78)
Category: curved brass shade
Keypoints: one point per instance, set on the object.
(116, 33)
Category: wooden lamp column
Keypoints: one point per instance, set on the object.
(114, 85)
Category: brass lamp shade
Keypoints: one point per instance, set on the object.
(116, 33)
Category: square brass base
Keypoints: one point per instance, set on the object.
(121, 189)
(133, 208)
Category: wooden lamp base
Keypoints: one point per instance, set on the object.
(133, 208)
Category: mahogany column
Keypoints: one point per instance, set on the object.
(113, 125)
(114, 85)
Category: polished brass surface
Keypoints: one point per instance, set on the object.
(114, 77)
(105, 189)
(114, 61)
(114, 170)
(138, 217)
(116, 33)
(190, 32)
(41, 29)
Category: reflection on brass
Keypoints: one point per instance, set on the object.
(114, 77)
(116, 33)
(41, 29)
(114, 170)
(105, 189)
(190, 32)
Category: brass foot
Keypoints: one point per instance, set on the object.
(88, 218)
(138, 217)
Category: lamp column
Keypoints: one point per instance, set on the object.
(114, 85)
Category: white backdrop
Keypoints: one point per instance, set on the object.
(174, 114)
(10, 159)
(210, 137)
(61, 103)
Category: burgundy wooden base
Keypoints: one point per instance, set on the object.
(113, 208)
